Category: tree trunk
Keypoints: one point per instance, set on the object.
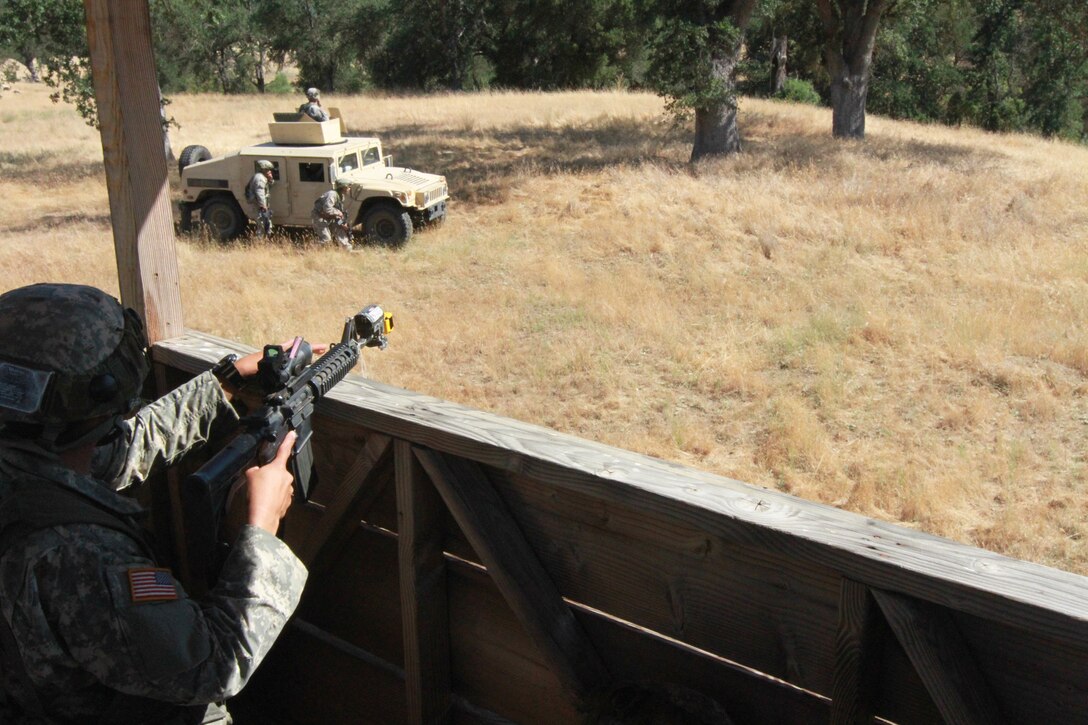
(849, 92)
(260, 69)
(778, 64)
(31, 64)
(850, 28)
(167, 150)
(716, 132)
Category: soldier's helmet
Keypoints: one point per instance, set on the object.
(68, 354)
(342, 184)
(313, 94)
(264, 165)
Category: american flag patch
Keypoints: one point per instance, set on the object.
(151, 585)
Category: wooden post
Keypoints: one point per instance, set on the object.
(855, 678)
(422, 592)
(127, 94)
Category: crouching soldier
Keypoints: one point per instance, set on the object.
(328, 216)
(93, 626)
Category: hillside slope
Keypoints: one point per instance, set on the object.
(893, 326)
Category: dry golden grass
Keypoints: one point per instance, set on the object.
(894, 326)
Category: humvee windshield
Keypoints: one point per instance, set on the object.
(349, 161)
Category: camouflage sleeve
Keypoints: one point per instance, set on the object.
(260, 192)
(132, 626)
(164, 431)
(314, 111)
(329, 210)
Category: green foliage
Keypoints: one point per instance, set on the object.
(687, 60)
(430, 44)
(52, 33)
(1030, 66)
(548, 44)
(918, 72)
(796, 20)
(279, 85)
(331, 40)
(799, 91)
(999, 64)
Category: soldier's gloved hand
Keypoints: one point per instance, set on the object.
(268, 489)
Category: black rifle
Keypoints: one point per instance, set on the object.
(293, 383)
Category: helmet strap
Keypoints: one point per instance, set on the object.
(58, 438)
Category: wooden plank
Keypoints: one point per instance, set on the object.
(352, 494)
(856, 649)
(640, 656)
(942, 659)
(1034, 679)
(752, 606)
(307, 680)
(969, 579)
(127, 94)
(517, 572)
(493, 663)
(422, 592)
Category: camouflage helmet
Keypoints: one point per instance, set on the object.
(264, 165)
(342, 183)
(313, 94)
(68, 353)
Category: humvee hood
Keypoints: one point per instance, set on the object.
(393, 176)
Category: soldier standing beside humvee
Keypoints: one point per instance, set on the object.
(257, 195)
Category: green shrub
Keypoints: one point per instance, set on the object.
(279, 85)
(799, 91)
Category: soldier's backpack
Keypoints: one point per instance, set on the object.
(251, 193)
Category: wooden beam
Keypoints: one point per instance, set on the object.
(982, 583)
(942, 659)
(853, 692)
(127, 95)
(424, 607)
(518, 573)
(352, 495)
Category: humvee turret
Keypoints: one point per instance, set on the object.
(388, 203)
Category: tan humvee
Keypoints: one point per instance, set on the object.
(386, 202)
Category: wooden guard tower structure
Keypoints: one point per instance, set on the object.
(467, 568)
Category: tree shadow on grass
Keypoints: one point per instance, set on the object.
(47, 169)
(482, 165)
(785, 147)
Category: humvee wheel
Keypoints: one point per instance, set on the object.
(387, 224)
(192, 155)
(223, 219)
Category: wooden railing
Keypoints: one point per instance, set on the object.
(471, 568)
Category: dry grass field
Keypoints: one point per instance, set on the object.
(895, 327)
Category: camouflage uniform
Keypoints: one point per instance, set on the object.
(89, 623)
(328, 210)
(314, 110)
(257, 194)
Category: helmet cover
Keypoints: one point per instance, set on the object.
(68, 353)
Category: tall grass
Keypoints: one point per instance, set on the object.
(893, 326)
